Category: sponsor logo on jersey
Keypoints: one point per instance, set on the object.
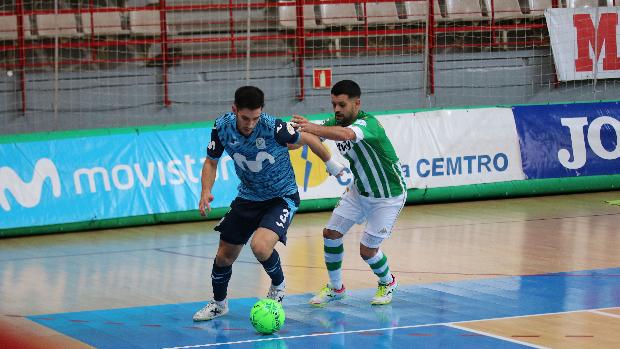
(344, 147)
(253, 165)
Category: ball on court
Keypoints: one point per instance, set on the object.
(267, 316)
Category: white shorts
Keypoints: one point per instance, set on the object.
(380, 214)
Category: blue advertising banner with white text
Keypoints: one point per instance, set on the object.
(116, 174)
(93, 178)
(569, 140)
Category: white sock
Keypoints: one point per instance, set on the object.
(380, 267)
(281, 286)
(334, 252)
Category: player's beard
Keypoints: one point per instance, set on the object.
(343, 120)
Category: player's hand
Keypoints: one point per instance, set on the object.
(334, 167)
(302, 124)
(205, 202)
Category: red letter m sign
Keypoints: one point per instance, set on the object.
(597, 38)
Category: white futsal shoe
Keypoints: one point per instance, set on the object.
(211, 311)
(276, 293)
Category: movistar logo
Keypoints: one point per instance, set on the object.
(256, 165)
(28, 194)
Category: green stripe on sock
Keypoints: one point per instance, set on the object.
(385, 272)
(333, 265)
(334, 250)
(379, 264)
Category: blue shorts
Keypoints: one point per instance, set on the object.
(245, 216)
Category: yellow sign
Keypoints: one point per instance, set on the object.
(309, 169)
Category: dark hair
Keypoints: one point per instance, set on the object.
(249, 97)
(347, 87)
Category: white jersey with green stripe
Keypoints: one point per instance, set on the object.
(373, 161)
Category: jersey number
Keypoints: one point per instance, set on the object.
(283, 218)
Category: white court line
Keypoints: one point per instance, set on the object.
(450, 324)
(487, 334)
(604, 313)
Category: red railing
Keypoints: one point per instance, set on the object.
(300, 35)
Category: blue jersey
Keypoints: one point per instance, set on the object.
(262, 160)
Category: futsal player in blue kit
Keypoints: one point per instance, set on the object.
(268, 197)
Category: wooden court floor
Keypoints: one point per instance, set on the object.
(432, 244)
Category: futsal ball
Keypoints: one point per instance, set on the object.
(267, 316)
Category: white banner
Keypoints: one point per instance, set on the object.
(585, 42)
(438, 148)
(445, 148)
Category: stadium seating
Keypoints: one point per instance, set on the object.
(63, 24)
(418, 10)
(504, 9)
(287, 17)
(585, 3)
(462, 10)
(218, 21)
(104, 23)
(383, 13)
(210, 29)
(337, 15)
(537, 7)
(8, 27)
(145, 22)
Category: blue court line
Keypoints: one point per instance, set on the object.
(414, 318)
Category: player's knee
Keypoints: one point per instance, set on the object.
(331, 234)
(262, 250)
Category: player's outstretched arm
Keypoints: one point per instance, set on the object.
(314, 143)
(336, 133)
(209, 170)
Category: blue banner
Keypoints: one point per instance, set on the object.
(569, 140)
(111, 176)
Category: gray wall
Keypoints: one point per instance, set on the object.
(131, 95)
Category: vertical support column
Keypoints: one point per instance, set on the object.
(365, 14)
(300, 50)
(21, 46)
(163, 26)
(556, 81)
(231, 24)
(492, 23)
(430, 42)
(91, 7)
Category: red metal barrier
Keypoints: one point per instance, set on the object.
(299, 37)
